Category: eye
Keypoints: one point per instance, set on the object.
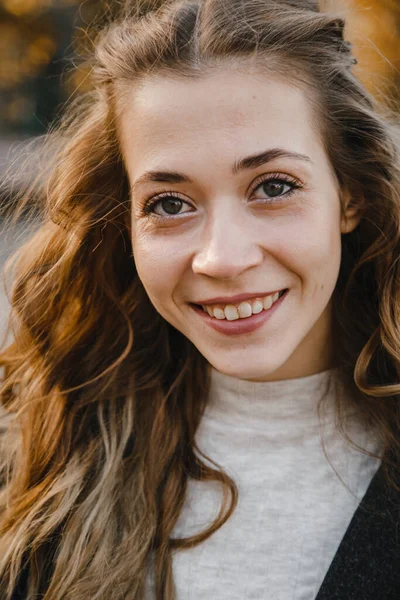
(278, 186)
(165, 204)
(275, 188)
(169, 204)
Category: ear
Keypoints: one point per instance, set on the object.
(353, 209)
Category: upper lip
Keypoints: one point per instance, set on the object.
(237, 298)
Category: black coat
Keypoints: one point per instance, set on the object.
(366, 565)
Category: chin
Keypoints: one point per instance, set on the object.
(249, 371)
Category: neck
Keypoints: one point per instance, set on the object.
(288, 404)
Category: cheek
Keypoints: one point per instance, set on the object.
(310, 247)
(159, 268)
(318, 253)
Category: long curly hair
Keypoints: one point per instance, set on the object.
(102, 396)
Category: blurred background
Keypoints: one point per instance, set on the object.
(40, 41)
(40, 70)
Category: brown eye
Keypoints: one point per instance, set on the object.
(274, 187)
(166, 205)
(171, 206)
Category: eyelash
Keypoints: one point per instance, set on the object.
(277, 177)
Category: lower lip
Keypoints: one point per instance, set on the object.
(240, 326)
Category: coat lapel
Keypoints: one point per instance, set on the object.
(366, 565)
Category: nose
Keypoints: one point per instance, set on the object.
(228, 248)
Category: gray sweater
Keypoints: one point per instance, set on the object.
(293, 508)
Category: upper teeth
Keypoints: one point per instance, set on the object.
(245, 309)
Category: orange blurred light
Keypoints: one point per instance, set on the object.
(20, 8)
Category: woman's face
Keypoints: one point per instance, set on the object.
(241, 201)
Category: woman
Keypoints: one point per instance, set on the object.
(217, 262)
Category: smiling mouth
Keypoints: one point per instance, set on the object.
(242, 310)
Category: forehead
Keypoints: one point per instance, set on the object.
(217, 116)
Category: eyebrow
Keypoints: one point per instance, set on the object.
(244, 164)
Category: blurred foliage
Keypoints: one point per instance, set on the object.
(373, 27)
(38, 51)
(40, 40)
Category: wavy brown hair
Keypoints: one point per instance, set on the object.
(102, 396)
